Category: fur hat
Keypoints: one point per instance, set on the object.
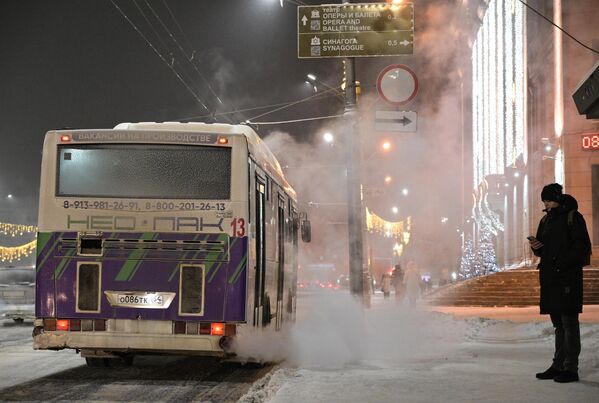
(552, 192)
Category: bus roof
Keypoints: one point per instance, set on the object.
(257, 148)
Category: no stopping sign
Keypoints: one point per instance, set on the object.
(397, 84)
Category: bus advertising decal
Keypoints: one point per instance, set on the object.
(146, 207)
(135, 258)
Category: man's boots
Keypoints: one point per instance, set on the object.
(566, 376)
(551, 373)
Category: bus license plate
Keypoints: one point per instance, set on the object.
(145, 300)
(131, 299)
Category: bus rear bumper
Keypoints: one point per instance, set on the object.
(128, 342)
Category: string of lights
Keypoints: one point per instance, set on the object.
(13, 230)
(10, 254)
(391, 229)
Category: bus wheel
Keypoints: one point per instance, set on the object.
(128, 359)
(97, 362)
(18, 320)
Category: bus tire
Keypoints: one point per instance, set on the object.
(128, 359)
(18, 320)
(97, 362)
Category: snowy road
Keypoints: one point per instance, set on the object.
(29, 375)
(395, 354)
(337, 352)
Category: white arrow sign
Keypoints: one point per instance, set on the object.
(396, 121)
(304, 20)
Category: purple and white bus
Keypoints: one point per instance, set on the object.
(162, 238)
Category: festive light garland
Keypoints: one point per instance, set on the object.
(10, 254)
(16, 229)
(390, 229)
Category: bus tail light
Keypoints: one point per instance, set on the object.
(87, 325)
(62, 324)
(205, 328)
(217, 329)
(179, 327)
(99, 325)
(49, 325)
(75, 325)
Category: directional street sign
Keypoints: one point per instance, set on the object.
(396, 121)
(355, 30)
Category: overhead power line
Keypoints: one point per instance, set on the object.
(292, 104)
(169, 65)
(183, 50)
(295, 120)
(253, 108)
(558, 27)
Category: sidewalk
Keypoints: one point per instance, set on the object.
(590, 313)
(340, 352)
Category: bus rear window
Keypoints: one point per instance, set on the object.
(147, 171)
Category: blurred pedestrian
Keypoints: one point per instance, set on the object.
(386, 285)
(411, 281)
(397, 282)
(563, 244)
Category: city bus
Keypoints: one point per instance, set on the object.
(162, 238)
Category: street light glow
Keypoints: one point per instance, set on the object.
(311, 77)
(394, 209)
(444, 220)
(404, 191)
(388, 179)
(328, 137)
(9, 196)
(386, 146)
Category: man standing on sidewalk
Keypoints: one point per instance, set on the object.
(563, 244)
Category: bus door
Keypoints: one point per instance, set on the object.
(260, 267)
(281, 259)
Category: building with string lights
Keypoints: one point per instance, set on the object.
(526, 131)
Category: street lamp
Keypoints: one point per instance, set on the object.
(404, 191)
(386, 146)
(328, 137)
(394, 209)
(388, 179)
(9, 196)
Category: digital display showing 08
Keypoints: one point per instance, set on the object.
(590, 141)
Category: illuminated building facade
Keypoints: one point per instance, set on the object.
(526, 131)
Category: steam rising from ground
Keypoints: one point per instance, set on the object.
(333, 331)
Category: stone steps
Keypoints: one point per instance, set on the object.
(518, 287)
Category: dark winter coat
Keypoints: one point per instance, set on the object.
(565, 247)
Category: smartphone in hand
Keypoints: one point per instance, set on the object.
(534, 242)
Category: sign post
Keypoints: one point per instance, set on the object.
(349, 31)
(355, 30)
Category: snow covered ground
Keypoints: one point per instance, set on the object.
(339, 352)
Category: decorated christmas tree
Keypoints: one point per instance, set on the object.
(486, 253)
(468, 261)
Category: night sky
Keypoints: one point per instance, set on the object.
(81, 64)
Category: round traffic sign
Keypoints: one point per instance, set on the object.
(397, 84)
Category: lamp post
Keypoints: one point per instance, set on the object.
(355, 210)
